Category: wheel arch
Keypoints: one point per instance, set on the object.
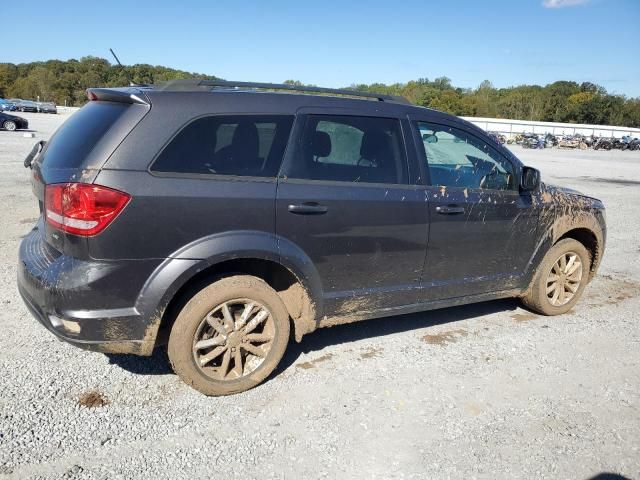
(281, 264)
(588, 238)
(583, 228)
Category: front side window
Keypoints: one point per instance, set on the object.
(245, 145)
(350, 149)
(458, 159)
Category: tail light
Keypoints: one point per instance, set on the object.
(81, 208)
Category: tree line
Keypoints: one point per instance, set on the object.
(65, 82)
(562, 101)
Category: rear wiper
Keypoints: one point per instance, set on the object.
(37, 148)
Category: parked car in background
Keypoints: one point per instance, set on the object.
(14, 102)
(12, 122)
(6, 105)
(221, 216)
(27, 106)
(47, 107)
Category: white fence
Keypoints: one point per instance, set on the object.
(513, 127)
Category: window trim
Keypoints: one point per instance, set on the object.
(221, 176)
(424, 166)
(298, 130)
(341, 183)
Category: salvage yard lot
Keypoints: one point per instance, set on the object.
(488, 390)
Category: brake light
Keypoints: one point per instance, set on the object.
(81, 208)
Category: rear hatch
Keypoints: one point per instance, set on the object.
(78, 150)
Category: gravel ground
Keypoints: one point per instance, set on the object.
(482, 391)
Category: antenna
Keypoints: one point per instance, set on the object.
(126, 74)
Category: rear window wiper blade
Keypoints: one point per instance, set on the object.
(37, 148)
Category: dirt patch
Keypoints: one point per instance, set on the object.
(452, 336)
(524, 317)
(301, 309)
(371, 353)
(313, 363)
(608, 290)
(354, 305)
(93, 399)
(547, 197)
(24, 221)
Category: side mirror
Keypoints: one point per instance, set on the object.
(530, 181)
(429, 138)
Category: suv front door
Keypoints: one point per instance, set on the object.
(482, 230)
(345, 200)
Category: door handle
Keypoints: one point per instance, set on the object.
(449, 209)
(310, 208)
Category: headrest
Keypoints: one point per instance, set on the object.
(375, 144)
(245, 136)
(321, 144)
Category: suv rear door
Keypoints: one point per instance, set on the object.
(482, 230)
(344, 198)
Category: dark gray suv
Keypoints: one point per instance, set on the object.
(222, 217)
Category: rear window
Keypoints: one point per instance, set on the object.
(239, 145)
(74, 140)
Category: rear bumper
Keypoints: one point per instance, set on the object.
(89, 304)
(73, 331)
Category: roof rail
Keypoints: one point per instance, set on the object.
(196, 84)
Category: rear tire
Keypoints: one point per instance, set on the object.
(230, 336)
(10, 125)
(560, 279)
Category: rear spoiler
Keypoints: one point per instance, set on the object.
(122, 95)
(37, 148)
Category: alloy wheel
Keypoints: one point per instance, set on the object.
(233, 339)
(563, 281)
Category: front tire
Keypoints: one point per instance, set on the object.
(560, 279)
(230, 336)
(10, 125)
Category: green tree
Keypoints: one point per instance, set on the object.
(562, 101)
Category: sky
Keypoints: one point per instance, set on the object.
(339, 43)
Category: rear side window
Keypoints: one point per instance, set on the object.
(350, 149)
(74, 140)
(244, 145)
